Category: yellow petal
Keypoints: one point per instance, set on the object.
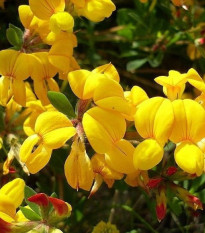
(43, 68)
(189, 158)
(195, 80)
(27, 147)
(97, 10)
(4, 90)
(38, 159)
(102, 128)
(7, 207)
(52, 84)
(189, 121)
(26, 15)
(111, 99)
(132, 179)
(58, 137)
(45, 9)
(154, 119)
(78, 168)
(61, 56)
(101, 167)
(120, 157)
(8, 59)
(49, 121)
(147, 154)
(138, 95)
(41, 91)
(19, 92)
(109, 71)
(61, 21)
(6, 217)
(14, 190)
(77, 81)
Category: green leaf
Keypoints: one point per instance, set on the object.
(61, 103)
(175, 206)
(54, 195)
(156, 60)
(17, 30)
(28, 192)
(134, 65)
(30, 214)
(79, 215)
(14, 36)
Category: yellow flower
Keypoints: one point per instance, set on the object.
(135, 96)
(34, 109)
(103, 227)
(45, 9)
(15, 67)
(113, 98)
(153, 121)
(53, 11)
(78, 167)
(188, 130)
(173, 85)
(11, 196)
(195, 80)
(105, 130)
(43, 77)
(52, 130)
(94, 10)
(87, 81)
(103, 172)
(60, 56)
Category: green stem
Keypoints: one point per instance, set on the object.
(151, 229)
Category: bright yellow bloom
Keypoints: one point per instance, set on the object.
(188, 130)
(135, 96)
(173, 85)
(15, 67)
(103, 172)
(45, 9)
(53, 11)
(94, 10)
(78, 167)
(153, 121)
(34, 109)
(103, 227)
(87, 81)
(105, 130)
(61, 21)
(52, 130)
(43, 77)
(195, 80)
(11, 196)
(62, 56)
(113, 98)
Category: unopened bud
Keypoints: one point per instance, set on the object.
(153, 183)
(171, 170)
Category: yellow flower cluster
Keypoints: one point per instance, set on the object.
(105, 110)
(103, 227)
